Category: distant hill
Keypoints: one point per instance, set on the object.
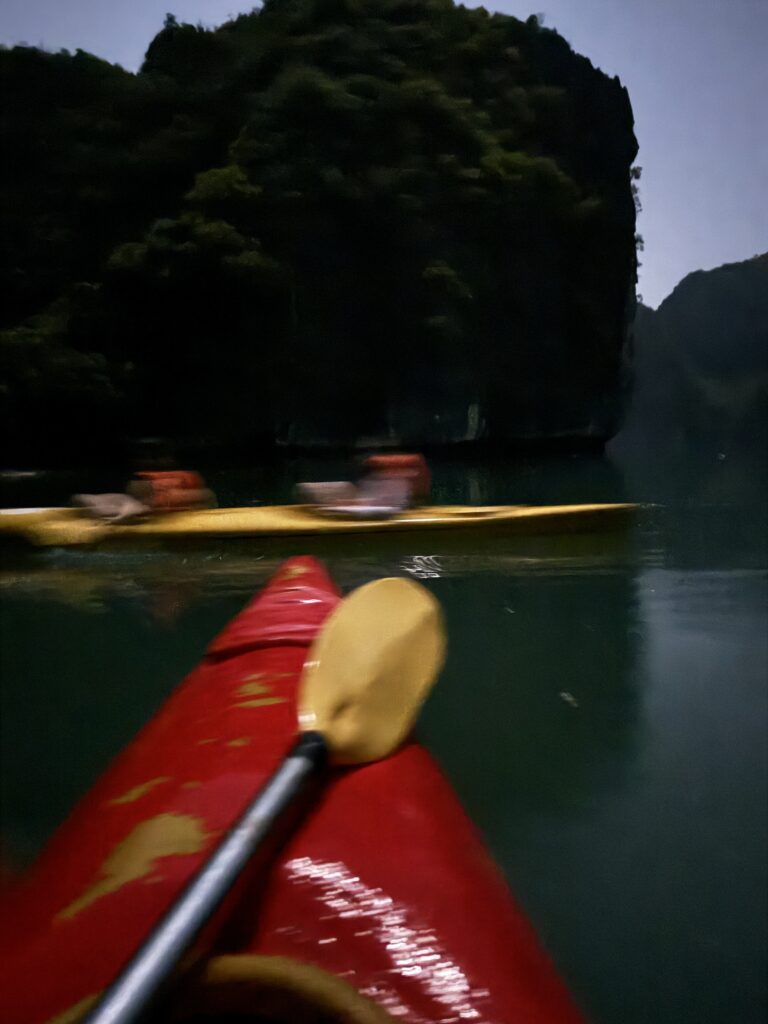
(325, 219)
(701, 361)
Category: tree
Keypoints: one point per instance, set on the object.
(330, 212)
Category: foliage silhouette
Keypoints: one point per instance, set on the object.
(324, 219)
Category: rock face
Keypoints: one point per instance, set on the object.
(398, 219)
(701, 362)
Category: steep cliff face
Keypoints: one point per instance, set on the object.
(701, 362)
(393, 218)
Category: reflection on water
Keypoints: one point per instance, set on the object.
(601, 714)
(205, 571)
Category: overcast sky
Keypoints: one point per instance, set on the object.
(696, 71)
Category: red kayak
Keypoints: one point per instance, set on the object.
(383, 904)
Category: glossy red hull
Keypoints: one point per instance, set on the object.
(385, 883)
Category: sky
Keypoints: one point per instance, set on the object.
(696, 71)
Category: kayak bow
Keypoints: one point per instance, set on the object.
(384, 903)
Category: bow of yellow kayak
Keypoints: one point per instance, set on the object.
(66, 527)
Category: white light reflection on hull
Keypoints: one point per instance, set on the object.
(414, 951)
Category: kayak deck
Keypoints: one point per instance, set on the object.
(63, 527)
(384, 892)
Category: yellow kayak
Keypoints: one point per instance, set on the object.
(67, 527)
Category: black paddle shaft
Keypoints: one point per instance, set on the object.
(154, 962)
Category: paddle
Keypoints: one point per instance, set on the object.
(365, 678)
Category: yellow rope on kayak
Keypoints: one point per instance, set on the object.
(278, 989)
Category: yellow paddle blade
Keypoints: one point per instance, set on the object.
(371, 668)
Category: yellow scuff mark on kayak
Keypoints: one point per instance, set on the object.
(138, 791)
(166, 835)
(192, 785)
(291, 573)
(253, 688)
(257, 681)
(250, 688)
(76, 1012)
(258, 691)
(241, 741)
(261, 702)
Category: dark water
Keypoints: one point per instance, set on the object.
(602, 715)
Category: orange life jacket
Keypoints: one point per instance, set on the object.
(412, 468)
(171, 488)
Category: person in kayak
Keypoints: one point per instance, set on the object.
(409, 472)
(157, 487)
(390, 483)
(170, 490)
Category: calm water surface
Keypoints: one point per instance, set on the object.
(602, 715)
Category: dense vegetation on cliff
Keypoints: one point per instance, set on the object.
(325, 218)
(701, 362)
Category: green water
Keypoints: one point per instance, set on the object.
(602, 714)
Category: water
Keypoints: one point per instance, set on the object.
(602, 713)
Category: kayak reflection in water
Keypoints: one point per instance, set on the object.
(157, 487)
(391, 483)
